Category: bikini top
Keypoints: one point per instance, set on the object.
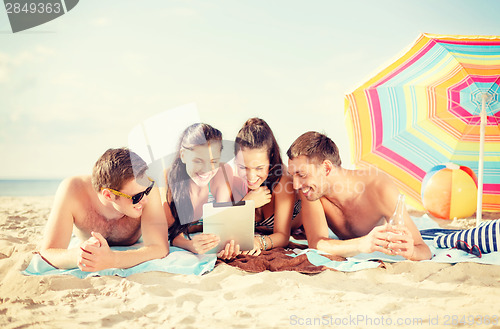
(269, 221)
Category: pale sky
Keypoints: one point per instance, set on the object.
(78, 85)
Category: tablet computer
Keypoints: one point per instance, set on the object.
(230, 221)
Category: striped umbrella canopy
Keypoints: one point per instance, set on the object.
(425, 109)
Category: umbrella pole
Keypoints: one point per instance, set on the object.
(479, 208)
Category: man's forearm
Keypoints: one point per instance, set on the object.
(61, 258)
(421, 252)
(344, 248)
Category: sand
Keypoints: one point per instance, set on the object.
(420, 295)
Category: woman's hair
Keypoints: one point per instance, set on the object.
(179, 180)
(256, 134)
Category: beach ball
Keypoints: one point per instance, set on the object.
(449, 191)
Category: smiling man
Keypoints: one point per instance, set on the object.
(112, 207)
(354, 204)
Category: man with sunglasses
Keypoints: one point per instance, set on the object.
(114, 206)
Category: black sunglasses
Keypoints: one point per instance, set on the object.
(137, 197)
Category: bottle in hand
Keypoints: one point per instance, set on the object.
(397, 218)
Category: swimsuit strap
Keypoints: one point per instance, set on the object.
(211, 198)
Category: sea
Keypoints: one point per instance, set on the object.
(29, 187)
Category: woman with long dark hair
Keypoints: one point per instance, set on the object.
(266, 181)
(194, 179)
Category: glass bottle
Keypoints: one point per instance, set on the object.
(397, 218)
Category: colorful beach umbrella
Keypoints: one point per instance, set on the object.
(437, 103)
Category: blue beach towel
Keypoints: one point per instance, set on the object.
(431, 232)
(184, 262)
(178, 261)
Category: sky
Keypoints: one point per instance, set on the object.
(80, 84)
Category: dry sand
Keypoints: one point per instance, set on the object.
(424, 295)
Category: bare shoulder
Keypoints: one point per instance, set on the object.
(225, 170)
(75, 185)
(72, 197)
(223, 176)
(74, 193)
(377, 180)
(382, 189)
(238, 188)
